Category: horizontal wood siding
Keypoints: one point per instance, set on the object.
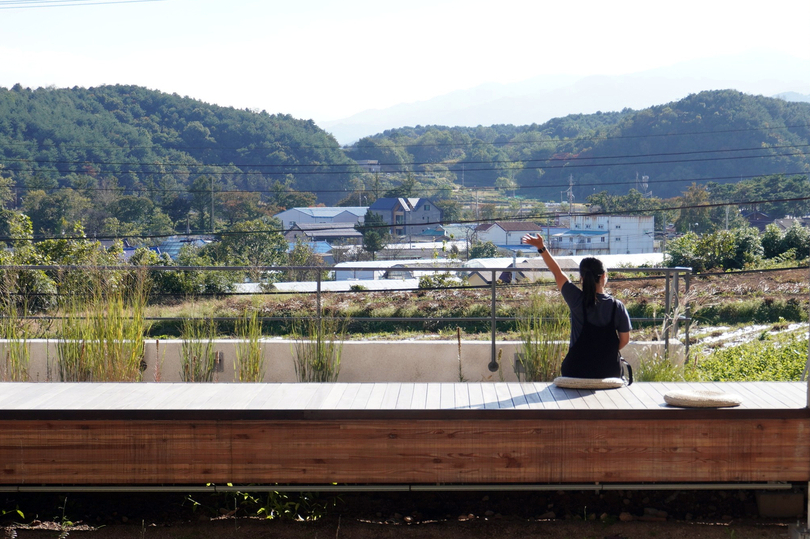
(457, 450)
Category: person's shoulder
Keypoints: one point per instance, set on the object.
(569, 284)
(570, 292)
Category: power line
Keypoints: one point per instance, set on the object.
(145, 189)
(568, 165)
(415, 163)
(535, 217)
(471, 143)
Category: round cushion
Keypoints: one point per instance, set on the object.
(702, 398)
(588, 383)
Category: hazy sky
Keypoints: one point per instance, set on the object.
(325, 60)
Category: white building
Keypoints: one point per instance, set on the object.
(506, 232)
(294, 216)
(592, 235)
(389, 269)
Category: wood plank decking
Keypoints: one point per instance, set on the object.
(395, 433)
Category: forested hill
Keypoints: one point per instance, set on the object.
(146, 140)
(720, 136)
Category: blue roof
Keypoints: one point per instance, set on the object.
(319, 247)
(384, 204)
(173, 244)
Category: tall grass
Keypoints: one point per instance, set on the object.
(102, 332)
(544, 328)
(14, 328)
(249, 364)
(198, 358)
(317, 347)
(653, 367)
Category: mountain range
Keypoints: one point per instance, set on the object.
(540, 99)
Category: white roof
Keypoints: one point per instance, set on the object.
(502, 262)
(345, 286)
(385, 264)
(331, 211)
(631, 260)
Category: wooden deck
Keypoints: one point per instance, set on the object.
(396, 433)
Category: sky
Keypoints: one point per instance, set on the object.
(325, 60)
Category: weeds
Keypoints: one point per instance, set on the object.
(317, 347)
(198, 359)
(14, 328)
(544, 328)
(249, 364)
(657, 368)
(102, 334)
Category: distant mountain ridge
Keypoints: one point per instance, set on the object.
(716, 136)
(539, 99)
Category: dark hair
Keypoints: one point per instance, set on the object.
(590, 271)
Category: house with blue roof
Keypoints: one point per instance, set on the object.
(173, 244)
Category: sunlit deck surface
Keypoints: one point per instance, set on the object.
(248, 401)
(396, 433)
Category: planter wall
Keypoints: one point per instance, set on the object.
(362, 361)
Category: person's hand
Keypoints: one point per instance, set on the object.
(534, 241)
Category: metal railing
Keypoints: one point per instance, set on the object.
(675, 279)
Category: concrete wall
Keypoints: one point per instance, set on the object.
(362, 361)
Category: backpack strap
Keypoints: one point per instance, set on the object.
(629, 368)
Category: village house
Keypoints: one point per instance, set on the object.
(407, 216)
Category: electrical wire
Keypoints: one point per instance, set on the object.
(423, 190)
(473, 143)
(416, 163)
(535, 217)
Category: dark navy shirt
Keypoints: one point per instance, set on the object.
(598, 315)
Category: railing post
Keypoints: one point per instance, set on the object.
(493, 361)
(318, 307)
(807, 378)
(687, 277)
(676, 302)
(667, 306)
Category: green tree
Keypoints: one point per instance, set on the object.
(7, 193)
(683, 252)
(451, 209)
(375, 233)
(302, 254)
(772, 241)
(797, 237)
(483, 249)
(55, 213)
(505, 184)
(695, 216)
(284, 196)
(409, 188)
(202, 198)
(249, 243)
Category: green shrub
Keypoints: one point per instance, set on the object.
(779, 358)
(759, 310)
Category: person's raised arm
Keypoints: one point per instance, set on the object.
(551, 264)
